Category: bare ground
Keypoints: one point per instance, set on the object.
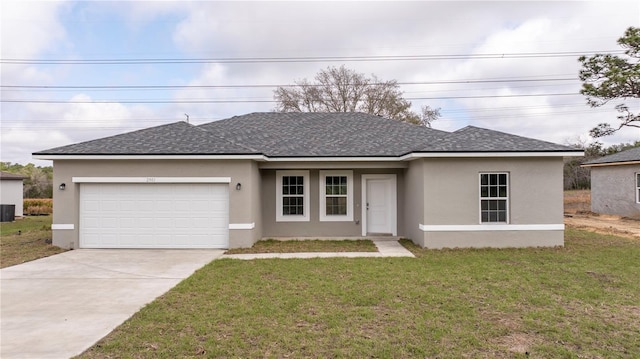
(577, 214)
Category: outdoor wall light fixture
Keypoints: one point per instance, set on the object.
(238, 186)
(62, 186)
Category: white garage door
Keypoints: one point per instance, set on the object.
(159, 215)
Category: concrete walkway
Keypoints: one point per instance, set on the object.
(57, 307)
(386, 248)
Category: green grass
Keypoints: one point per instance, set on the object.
(581, 301)
(298, 246)
(25, 239)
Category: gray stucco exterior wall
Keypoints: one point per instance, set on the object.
(314, 227)
(414, 202)
(437, 199)
(244, 206)
(452, 203)
(613, 190)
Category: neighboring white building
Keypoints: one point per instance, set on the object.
(11, 190)
(615, 183)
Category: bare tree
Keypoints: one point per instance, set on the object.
(338, 89)
(428, 115)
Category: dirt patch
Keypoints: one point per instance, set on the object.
(517, 342)
(577, 214)
(577, 201)
(605, 224)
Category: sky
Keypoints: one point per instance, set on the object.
(73, 71)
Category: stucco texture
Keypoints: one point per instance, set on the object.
(613, 190)
(430, 193)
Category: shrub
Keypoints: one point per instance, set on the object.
(37, 206)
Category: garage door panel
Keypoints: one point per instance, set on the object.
(119, 215)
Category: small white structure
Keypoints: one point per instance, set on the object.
(11, 190)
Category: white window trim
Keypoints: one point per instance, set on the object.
(280, 217)
(323, 195)
(637, 186)
(507, 207)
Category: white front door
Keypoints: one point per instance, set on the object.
(379, 204)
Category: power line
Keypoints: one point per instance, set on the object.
(204, 101)
(247, 60)
(145, 87)
(128, 126)
(448, 111)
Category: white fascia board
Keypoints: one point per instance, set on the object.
(264, 158)
(411, 156)
(491, 227)
(150, 157)
(151, 179)
(612, 164)
(332, 159)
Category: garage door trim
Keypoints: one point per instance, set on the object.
(151, 179)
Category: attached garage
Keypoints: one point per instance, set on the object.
(153, 213)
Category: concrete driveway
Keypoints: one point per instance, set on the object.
(57, 307)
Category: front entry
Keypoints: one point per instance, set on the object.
(379, 205)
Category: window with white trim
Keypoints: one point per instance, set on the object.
(494, 197)
(336, 196)
(638, 187)
(292, 196)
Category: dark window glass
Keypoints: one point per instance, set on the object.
(494, 191)
(293, 195)
(336, 195)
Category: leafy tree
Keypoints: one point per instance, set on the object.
(338, 89)
(608, 77)
(39, 182)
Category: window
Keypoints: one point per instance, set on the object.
(494, 197)
(292, 196)
(336, 195)
(638, 187)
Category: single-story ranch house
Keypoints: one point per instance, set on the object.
(232, 182)
(615, 183)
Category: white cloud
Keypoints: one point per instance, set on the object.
(29, 28)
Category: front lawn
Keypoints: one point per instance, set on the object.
(298, 246)
(580, 301)
(26, 239)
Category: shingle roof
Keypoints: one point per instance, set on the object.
(475, 139)
(11, 176)
(630, 155)
(304, 135)
(323, 134)
(174, 139)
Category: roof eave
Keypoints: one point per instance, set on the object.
(45, 156)
(260, 157)
(617, 163)
(493, 154)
